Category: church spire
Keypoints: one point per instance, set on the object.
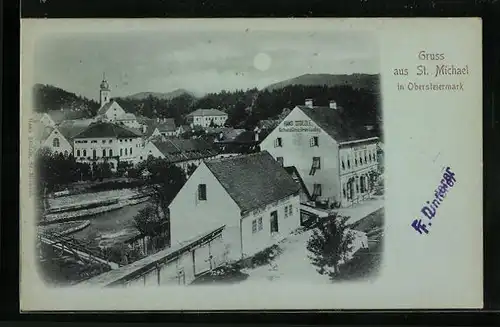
(104, 83)
(105, 92)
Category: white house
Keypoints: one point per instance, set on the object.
(334, 158)
(51, 138)
(205, 117)
(107, 142)
(251, 195)
(181, 152)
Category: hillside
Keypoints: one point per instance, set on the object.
(159, 95)
(356, 81)
(48, 97)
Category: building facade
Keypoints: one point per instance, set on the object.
(207, 118)
(107, 142)
(252, 196)
(333, 158)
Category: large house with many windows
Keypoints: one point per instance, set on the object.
(107, 142)
(336, 160)
(207, 118)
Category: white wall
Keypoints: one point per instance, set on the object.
(349, 155)
(297, 151)
(258, 241)
(114, 112)
(205, 121)
(107, 144)
(64, 145)
(190, 217)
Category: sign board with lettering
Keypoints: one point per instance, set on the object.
(299, 126)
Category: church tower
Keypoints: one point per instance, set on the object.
(105, 91)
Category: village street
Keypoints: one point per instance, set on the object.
(293, 264)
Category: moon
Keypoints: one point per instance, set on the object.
(262, 62)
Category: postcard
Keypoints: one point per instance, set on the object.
(251, 164)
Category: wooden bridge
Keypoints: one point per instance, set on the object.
(75, 248)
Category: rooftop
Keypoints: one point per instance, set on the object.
(176, 150)
(253, 180)
(333, 122)
(106, 129)
(207, 112)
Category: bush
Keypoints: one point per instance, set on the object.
(116, 185)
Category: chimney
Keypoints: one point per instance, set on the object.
(144, 128)
(333, 104)
(256, 136)
(309, 103)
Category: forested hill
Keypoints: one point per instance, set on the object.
(48, 97)
(357, 81)
(244, 107)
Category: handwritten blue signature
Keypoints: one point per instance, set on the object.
(430, 210)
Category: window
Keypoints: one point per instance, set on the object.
(110, 141)
(77, 153)
(55, 143)
(288, 210)
(344, 192)
(317, 190)
(366, 161)
(112, 165)
(280, 160)
(125, 151)
(278, 142)
(103, 152)
(317, 162)
(94, 153)
(254, 226)
(259, 225)
(314, 141)
(110, 152)
(356, 161)
(84, 152)
(130, 152)
(343, 164)
(121, 152)
(360, 159)
(348, 163)
(202, 192)
(103, 141)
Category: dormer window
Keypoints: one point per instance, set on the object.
(314, 141)
(202, 192)
(278, 143)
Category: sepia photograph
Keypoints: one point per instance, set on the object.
(218, 157)
(209, 157)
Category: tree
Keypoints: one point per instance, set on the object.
(147, 220)
(330, 244)
(164, 181)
